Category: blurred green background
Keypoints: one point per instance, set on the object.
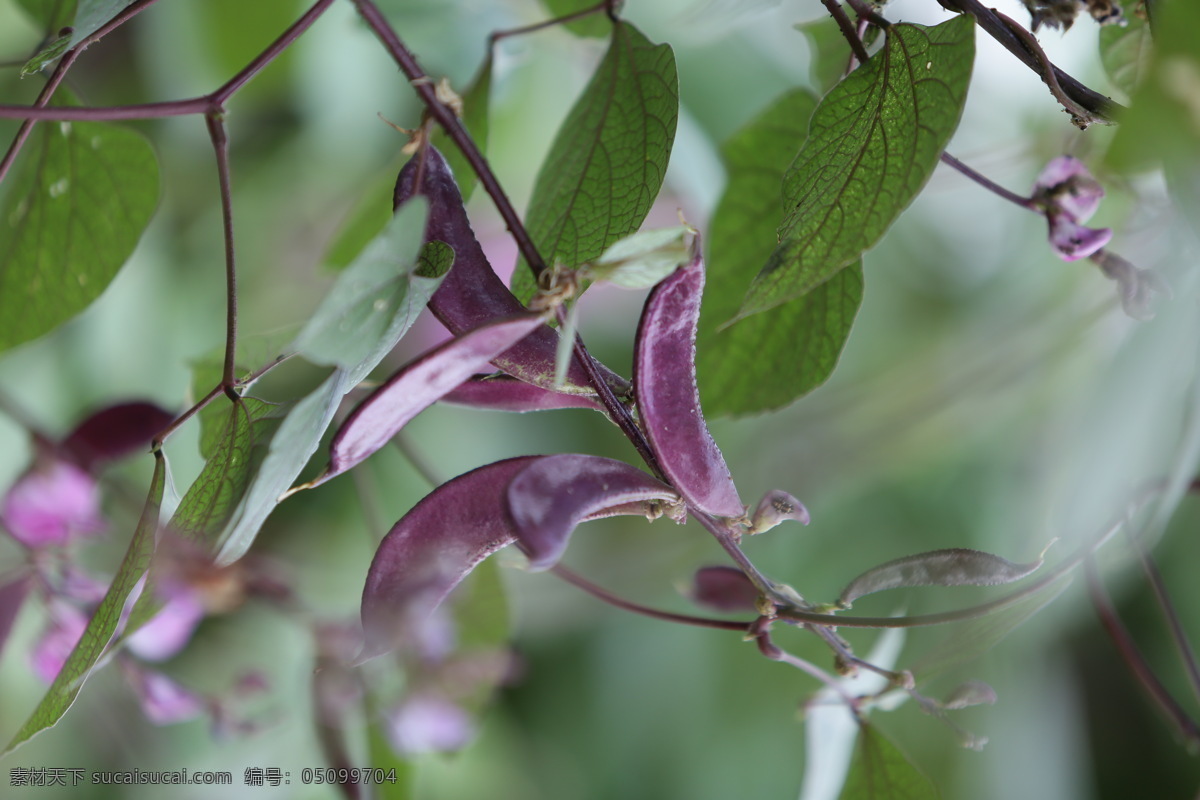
(990, 396)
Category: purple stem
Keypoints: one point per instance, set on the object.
(604, 5)
(1012, 197)
(1135, 660)
(449, 121)
(1096, 103)
(1178, 635)
(847, 28)
(601, 593)
(56, 78)
(220, 142)
(285, 39)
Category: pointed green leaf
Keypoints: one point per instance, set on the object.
(880, 771)
(208, 504)
(371, 306)
(372, 302)
(767, 360)
(289, 451)
(72, 215)
(1162, 123)
(104, 621)
(593, 26)
(829, 54)
(366, 219)
(873, 143)
(53, 49)
(1125, 53)
(643, 259)
(956, 566)
(475, 99)
(52, 15)
(608, 160)
(92, 15)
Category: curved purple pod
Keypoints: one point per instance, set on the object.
(554, 494)
(664, 381)
(431, 549)
(506, 393)
(472, 294)
(115, 432)
(725, 589)
(418, 385)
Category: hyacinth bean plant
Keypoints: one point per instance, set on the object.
(748, 306)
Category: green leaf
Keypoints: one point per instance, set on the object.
(973, 638)
(769, 359)
(374, 301)
(608, 159)
(72, 216)
(292, 446)
(1125, 53)
(595, 26)
(369, 216)
(880, 771)
(52, 15)
(92, 15)
(104, 621)
(873, 143)
(53, 49)
(475, 100)
(641, 260)
(829, 53)
(1163, 122)
(212, 498)
(371, 306)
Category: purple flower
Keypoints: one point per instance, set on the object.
(51, 504)
(57, 641)
(1069, 195)
(163, 701)
(429, 723)
(171, 628)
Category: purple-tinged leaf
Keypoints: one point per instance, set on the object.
(555, 493)
(417, 386)
(51, 505)
(505, 393)
(723, 588)
(953, 567)
(664, 378)
(431, 549)
(472, 294)
(12, 596)
(775, 507)
(115, 432)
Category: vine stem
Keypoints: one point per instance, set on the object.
(599, 592)
(987, 183)
(57, 76)
(1135, 660)
(604, 5)
(220, 143)
(1178, 635)
(453, 127)
(1103, 108)
(848, 31)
